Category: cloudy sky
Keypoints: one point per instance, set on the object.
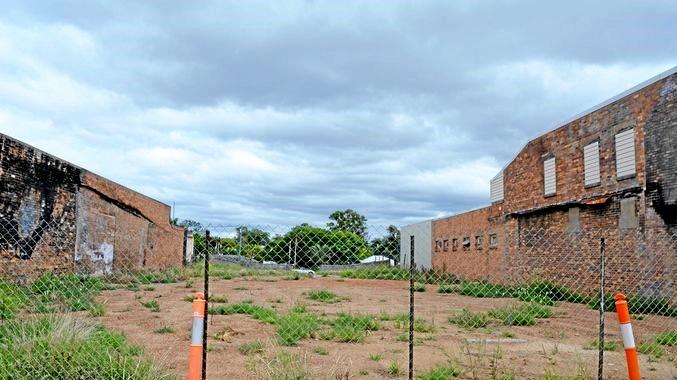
(279, 112)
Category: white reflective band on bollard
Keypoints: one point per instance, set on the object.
(196, 337)
(628, 338)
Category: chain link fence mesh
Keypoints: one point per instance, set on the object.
(312, 302)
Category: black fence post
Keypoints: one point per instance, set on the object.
(411, 306)
(600, 352)
(206, 290)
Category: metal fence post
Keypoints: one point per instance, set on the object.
(600, 353)
(206, 290)
(411, 306)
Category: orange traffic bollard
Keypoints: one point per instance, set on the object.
(195, 353)
(628, 339)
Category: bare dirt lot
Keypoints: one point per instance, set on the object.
(553, 348)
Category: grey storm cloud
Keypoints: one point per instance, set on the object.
(282, 111)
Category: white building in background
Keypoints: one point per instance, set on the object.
(421, 235)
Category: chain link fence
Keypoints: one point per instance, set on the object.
(310, 302)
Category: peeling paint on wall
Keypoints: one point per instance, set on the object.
(102, 259)
(30, 211)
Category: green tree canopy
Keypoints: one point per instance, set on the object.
(257, 236)
(388, 245)
(310, 247)
(348, 220)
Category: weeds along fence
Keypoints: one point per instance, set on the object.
(57, 306)
(308, 302)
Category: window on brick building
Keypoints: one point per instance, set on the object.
(466, 243)
(438, 245)
(454, 244)
(549, 177)
(446, 245)
(591, 164)
(625, 154)
(478, 242)
(493, 240)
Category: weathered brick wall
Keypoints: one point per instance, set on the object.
(558, 237)
(661, 154)
(56, 217)
(471, 262)
(37, 211)
(140, 232)
(524, 175)
(548, 247)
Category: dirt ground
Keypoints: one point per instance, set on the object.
(554, 345)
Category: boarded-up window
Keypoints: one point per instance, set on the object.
(454, 244)
(446, 245)
(493, 240)
(478, 242)
(549, 176)
(497, 188)
(591, 163)
(625, 153)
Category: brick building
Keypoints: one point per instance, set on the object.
(57, 217)
(609, 172)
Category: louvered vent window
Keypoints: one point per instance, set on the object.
(497, 188)
(549, 176)
(625, 154)
(591, 163)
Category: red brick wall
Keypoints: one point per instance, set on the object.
(536, 239)
(483, 263)
(141, 236)
(37, 211)
(524, 175)
(54, 215)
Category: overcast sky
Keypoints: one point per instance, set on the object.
(279, 112)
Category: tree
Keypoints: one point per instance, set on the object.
(310, 247)
(247, 235)
(348, 220)
(389, 245)
(251, 242)
(188, 224)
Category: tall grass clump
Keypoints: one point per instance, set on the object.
(70, 292)
(440, 372)
(548, 293)
(447, 289)
(290, 327)
(282, 365)
(350, 328)
(486, 290)
(420, 324)
(12, 300)
(257, 312)
(67, 348)
(523, 315)
(470, 320)
(295, 326)
(668, 338)
(324, 295)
